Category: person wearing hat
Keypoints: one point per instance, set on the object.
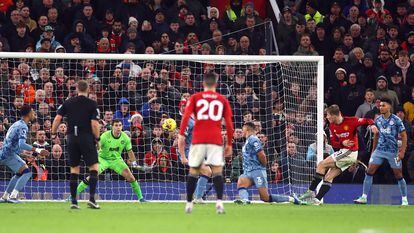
(285, 29)
(123, 113)
(133, 40)
(382, 91)
(312, 12)
(377, 13)
(335, 18)
(397, 85)
(48, 34)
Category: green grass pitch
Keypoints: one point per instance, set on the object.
(54, 217)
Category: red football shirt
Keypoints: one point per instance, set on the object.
(347, 130)
(209, 108)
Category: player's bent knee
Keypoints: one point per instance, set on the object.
(25, 171)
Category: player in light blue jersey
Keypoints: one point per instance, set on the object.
(385, 146)
(205, 171)
(254, 170)
(13, 145)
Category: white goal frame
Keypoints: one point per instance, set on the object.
(202, 58)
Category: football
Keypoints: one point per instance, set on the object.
(169, 125)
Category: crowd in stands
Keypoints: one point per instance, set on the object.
(368, 50)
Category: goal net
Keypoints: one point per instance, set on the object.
(282, 95)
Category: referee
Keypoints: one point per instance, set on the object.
(82, 116)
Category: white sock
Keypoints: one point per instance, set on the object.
(14, 194)
(291, 199)
(364, 196)
(219, 202)
(5, 196)
(404, 198)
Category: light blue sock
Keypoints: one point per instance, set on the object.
(278, 198)
(21, 182)
(243, 194)
(201, 186)
(12, 183)
(367, 184)
(403, 187)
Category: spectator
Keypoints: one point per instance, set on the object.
(48, 33)
(132, 37)
(312, 12)
(367, 105)
(377, 13)
(41, 140)
(90, 22)
(123, 113)
(56, 165)
(147, 33)
(20, 39)
(285, 29)
(382, 91)
(131, 93)
(399, 87)
(409, 106)
(306, 48)
(352, 95)
(30, 23)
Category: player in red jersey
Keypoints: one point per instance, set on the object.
(344, 136)
(209, 108)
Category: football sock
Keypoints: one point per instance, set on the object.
(278, 198)
(137, 189)
(218, 185)
(191, 186)
(243, 194)
(73, 186)
(12, 183)
(201, 186)
(323, 190)
(93, 180)
(316, 180)
(22, 180)
(82, 186)
(403, 187)
(367, 185)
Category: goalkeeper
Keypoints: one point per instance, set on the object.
(112, 143)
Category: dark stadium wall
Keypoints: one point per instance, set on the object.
(259, 6)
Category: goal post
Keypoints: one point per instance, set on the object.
(276, 92)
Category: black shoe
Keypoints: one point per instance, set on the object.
(74, 206)
(93, 205)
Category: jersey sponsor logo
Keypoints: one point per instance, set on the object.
(343, 135)
(114, 149)
(386, 130)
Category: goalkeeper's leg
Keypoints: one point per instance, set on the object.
(129, 177)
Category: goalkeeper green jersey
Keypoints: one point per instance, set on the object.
(111, 147)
